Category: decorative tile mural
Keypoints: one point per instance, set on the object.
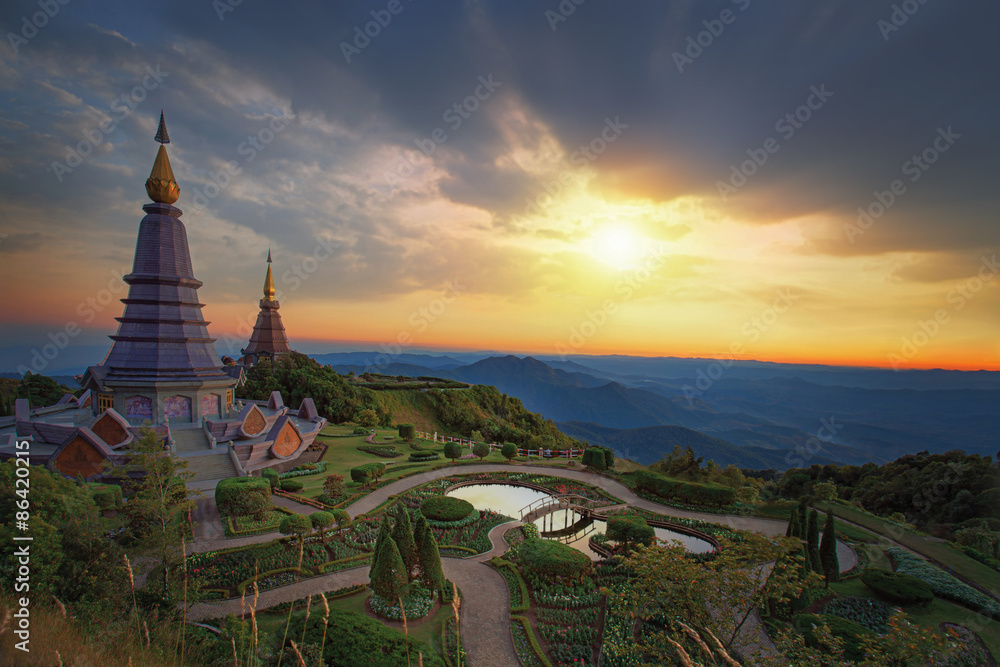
(139, 407)
(210, 405)
(177, 408)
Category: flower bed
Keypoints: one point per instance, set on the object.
(971, 652)
(528, 651)
(451, 643)
(515, 584)
(243, 525)
(385, 451)
(304, 469)
(417, 605)
(944, 584)
(867, 612)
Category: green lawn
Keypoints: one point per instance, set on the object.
(938, 611)
(342, 454)
(959, 563)
(272, 623)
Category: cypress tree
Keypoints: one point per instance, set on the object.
(812, 540)
(793, 525)
(807, 566)
(388, 578)
(402, 534)
(419, 525)
(803, 520)
(431, 572)
(828, 551)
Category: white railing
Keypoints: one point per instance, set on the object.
(496, 446)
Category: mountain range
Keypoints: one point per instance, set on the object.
(754, 414)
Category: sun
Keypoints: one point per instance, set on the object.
(616, 246)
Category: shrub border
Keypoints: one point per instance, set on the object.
(528, 630)
(525, 599)
(232, 532)
(302, 572)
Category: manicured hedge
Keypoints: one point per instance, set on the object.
(446, 508)
(271, 475)
(519, 600)
(291, 485)
(355, 639)
(690, 493)
(424, 457)
(553, 559)
(231, 493)
(598, 458)
(631, 529)
(522, 626)
(897, 588)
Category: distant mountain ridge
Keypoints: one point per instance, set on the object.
(757, 411)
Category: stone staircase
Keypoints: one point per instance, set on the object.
(188, 440)
(211, 466)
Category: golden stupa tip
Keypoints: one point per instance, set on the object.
(269, 280)
(161, 186)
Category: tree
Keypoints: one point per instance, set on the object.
(477, 436)
(828, 551)
(407, 432)
(295, 524)
(333, 486)
(825, 491)
(669, 585)
(342, 518)
(508, 451)
(388, 578)
(321, 521)
(368, 473)
(158, 506)
(419, 526)
(452, 450)
(630, 530)
(271, 475)
(402, 533)
(748, 494)
(367, 417)
(244, 496)
(481, 449)
(793, 525)
(431, 572)
(812, 541)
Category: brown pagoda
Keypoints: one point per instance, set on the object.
(268, 340)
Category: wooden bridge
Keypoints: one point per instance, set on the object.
(587, 508)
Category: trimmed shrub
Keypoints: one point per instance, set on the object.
(690, 493)
(367, 473)
(291, 485)
(360, 640)
(553, 559)
(593, 457)
(321, 520)
(271, 475)
(295, 524)
(407, 432)
(897, 588)
(869, 612)
(360, 430)
(481, 449)
(446, 508)
(243, 496)
(508, 451)
(452, 450)
(423, 457)
(630, 529)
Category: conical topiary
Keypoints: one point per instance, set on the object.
(388, 578)
(431, 572)
(402, 534)
(812, 541)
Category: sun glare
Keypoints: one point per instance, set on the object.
(617, 247)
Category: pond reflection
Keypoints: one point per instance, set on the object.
(567, 526)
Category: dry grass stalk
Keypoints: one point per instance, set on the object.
(309, 601)
(236, 661)
(406, 630)
(722, 650)
(302, 663)
(184, 609)
(326, 621)
(59, 661)
(253, 646)
(62, 607)
(420, 660)
(131, 581)
(145, 630)
(685, 658)
(291, 606)
(697, 638)
(5, 624)
(456, 604)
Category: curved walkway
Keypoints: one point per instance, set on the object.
(485, 610)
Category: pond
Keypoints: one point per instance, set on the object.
(510, 500)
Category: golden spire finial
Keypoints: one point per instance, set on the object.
(269, 280)
(161, 186)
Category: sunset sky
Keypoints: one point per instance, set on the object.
(673, 178)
